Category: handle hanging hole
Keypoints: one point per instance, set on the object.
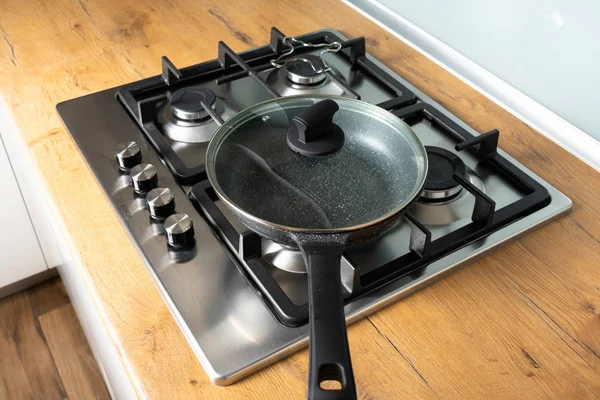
(331, 377)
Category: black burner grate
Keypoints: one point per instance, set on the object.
(141, 100)
(485, 220)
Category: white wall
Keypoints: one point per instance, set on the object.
(536, 58)
(548, 49)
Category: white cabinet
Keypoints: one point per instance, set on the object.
(29, 244)
(20, 252)
(29, 182)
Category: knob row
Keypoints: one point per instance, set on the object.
(179, 227)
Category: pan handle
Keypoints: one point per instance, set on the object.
(329, 358)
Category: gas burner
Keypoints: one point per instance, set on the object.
(299, 78)
(443, 213)
(304, 70)
(285, 258)
(183, 118)
(440, 184)
(186, 103)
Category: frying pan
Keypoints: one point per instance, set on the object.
(318, 173)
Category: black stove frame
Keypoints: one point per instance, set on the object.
(140, 99)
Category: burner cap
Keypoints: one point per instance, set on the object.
(303, 73)
(442, 165)
(185, 102)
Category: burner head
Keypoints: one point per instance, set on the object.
(305, 73)
(287, 259)
(439, 183)
(185, 102)
(192, 124)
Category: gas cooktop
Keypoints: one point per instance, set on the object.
(241, 300)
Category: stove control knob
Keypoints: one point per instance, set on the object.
(128, 155)
(160, 203)
(144, 178)
(179, 229)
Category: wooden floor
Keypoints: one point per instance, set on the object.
(43, 351)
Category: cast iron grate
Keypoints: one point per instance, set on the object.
(485, 220)
(141, 99)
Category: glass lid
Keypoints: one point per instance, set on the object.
(316, 163)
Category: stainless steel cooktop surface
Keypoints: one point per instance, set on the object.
(241, 300)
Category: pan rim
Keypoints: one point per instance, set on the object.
(214, 182)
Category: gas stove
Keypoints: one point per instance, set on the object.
(241, 300)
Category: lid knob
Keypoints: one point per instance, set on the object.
(313, 132)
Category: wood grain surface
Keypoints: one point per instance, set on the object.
(43, 351)
(523, 322)
(72, 355)
(26, 366)
(48, 296)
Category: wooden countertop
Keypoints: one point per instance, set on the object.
(522, 322)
